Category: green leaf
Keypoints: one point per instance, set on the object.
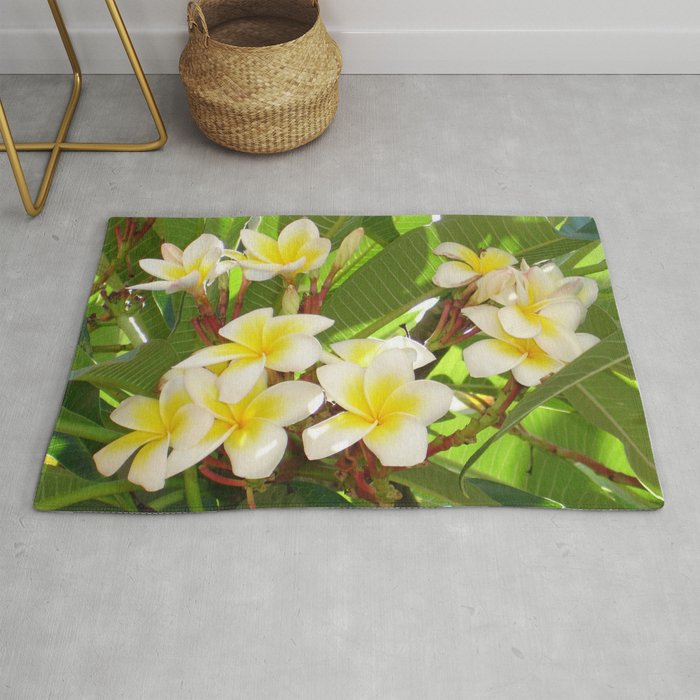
(74, 424)
(508, 496)
(71, 453)
(602, 357)
(183, 338)
(436, 485)
(60, 489)
(180, 232)
(515, 461)
(579, 227)
(613, 404)
(137, 372)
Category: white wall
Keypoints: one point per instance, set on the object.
(394, 36)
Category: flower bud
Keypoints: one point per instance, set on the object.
(348, 248)
(291, 300)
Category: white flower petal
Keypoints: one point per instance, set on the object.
(139, 413)
(296, 236)
(308, 324)
(221, 268)
(343, 383)
(586, 341)
(171, 253)
(152, 286)
(315, 253)
(425, 400)
(257, 449)
(589, 292)
(150, 465)
(112, 456)
(387, 372)
(399, 441)
(457, 251)
(190, 425)
(486, 358)
(226, 352)
(239, 378)
(532, 370)
(496, 259)
(423, 355)
(495, 284)
(453, 274)
(260, 247)
(286, 403)
(189, 283)
(260, 272)
(248, 329)
(518, 323)
(335, 434)
(361, 351)
(293, 353)
(485, 318)
(173, 396)
(558, 341)
(543, 281)
(568, 313)
(205, 248)
(181, 459)
(162, 268)
(202, 387)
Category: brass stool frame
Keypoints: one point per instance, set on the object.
(56, 147)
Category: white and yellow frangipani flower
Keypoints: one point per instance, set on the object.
(384, 405)
(362, 351)
(503, 352)
(260, 341)
(172, 420)
(251, 430)
(546, 306)
(298, 248)
(191, 270)
(467, 266)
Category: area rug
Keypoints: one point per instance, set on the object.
(353, 361)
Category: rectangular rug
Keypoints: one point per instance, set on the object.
(353, 361)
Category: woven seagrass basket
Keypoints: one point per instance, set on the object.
(261, 75)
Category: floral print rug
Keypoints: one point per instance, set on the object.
(350, 361)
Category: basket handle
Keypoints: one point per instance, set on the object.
(197, 20)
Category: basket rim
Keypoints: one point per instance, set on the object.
(210, 40)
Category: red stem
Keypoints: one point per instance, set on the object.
(200, 332)
(223, 480)
(240, 297)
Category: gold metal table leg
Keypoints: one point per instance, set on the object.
(34, 207)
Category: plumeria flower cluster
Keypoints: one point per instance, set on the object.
(262, 376)
(200, 410)
(531, 313)
(383, 405)
(190, 270)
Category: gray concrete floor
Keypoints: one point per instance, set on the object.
(321, 604)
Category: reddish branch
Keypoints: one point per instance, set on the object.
(579, 457)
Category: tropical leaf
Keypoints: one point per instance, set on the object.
(506, 495)
(71, 453)
(599, 359)
(436, 485)
(613, 404)
(79, 426)
(179, 232)
(137, 371)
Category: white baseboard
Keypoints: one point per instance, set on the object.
(519, 52)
